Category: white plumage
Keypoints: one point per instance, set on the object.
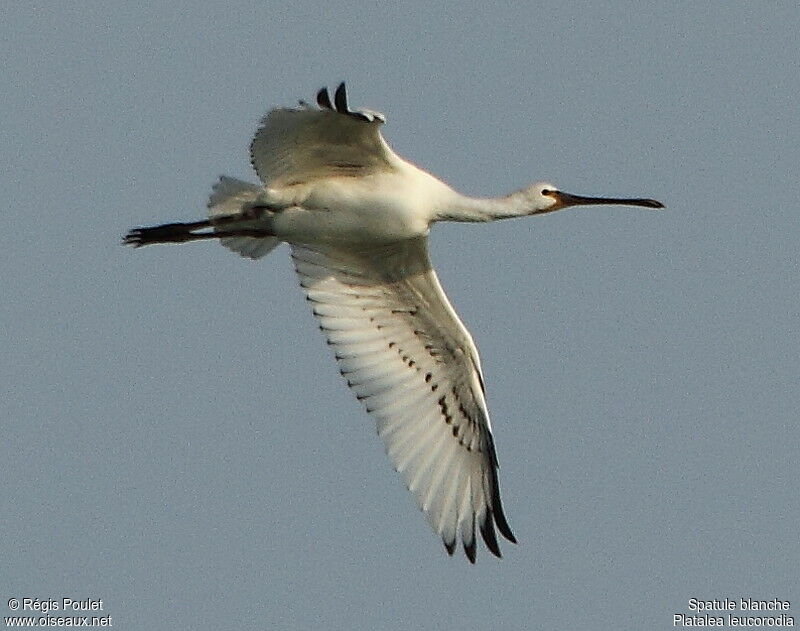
(412, 363)
(357, 218)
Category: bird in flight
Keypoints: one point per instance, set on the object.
(357, 217)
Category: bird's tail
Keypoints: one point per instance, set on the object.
(228, 197)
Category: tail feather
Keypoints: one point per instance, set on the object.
(228, 196)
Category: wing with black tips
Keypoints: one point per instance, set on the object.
(296, 145)
(412, 363)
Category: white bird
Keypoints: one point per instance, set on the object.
(357, 218)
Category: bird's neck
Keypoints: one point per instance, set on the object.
(477, 209)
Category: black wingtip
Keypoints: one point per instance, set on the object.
(502, 525)
(470, 549)
(340, 99)
(489, 535)
(497, 511)
(450, 546)
(324, 99)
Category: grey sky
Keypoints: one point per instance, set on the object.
(176, 439)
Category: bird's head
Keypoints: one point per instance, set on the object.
(545, 197)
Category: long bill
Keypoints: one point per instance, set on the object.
(567, 199)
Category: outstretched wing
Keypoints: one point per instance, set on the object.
(409, 359)
(295, 145)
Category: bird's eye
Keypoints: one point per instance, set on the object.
(547, 191)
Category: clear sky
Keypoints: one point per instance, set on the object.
(175, 437)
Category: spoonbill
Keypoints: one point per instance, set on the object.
(356, 217)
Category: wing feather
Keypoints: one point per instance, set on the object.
(407, 356)
(442, 514)
(295, 145)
